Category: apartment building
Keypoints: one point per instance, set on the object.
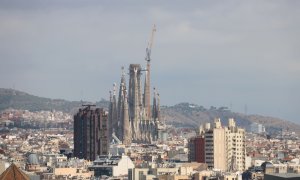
(90, 133)
(223, 147)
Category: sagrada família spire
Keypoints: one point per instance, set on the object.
(131, 117)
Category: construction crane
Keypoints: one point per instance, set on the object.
(150, 43)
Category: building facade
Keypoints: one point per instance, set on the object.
(215, 143)
(111, 166)
(196, 150)
(235, 147)
(131, 117)
(90, 133)
(223, 147)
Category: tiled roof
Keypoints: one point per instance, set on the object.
(13, 173)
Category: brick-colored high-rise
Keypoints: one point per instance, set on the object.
(197, 149)
(90, 133)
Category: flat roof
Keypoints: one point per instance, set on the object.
(285, 175)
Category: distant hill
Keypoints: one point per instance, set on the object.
(10, 98)
(181, 115)
(191, 115)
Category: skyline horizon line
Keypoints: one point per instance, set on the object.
(207, 107)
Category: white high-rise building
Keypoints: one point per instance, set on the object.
(236, 151)
(225, 146)
(215, 146)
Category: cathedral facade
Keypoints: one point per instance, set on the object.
(131, 116)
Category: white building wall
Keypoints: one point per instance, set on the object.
(138, 173)
(122, 168)
(219, 149)
(248, 161)
(225, 147)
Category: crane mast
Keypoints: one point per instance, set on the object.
(150, 43)
(146, 99)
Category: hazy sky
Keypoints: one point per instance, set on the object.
(220, 53)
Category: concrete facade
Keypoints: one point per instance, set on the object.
(90, 133)
(112, 166)
(224, 147)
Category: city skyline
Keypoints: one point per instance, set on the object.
(234, 54)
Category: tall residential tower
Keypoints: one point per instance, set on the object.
(90, 133)
(220, 147)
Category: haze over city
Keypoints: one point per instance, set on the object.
(231, 53)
